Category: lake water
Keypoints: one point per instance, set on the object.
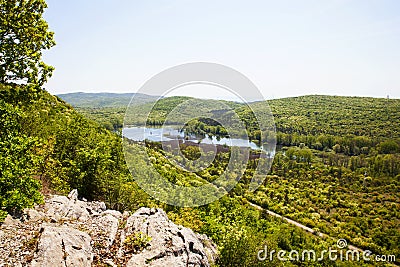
(169, 134)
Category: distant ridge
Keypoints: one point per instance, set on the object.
(101, 100)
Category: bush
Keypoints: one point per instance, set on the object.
(18, 188)
(137, 242)
(389, 147)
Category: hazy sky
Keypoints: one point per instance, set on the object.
(286, 48)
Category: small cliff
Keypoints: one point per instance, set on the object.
(67, 232)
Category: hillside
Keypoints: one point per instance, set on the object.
(108, 109)
(57, 146)
(337, 115)
(336, 171)
(48, 147)
(305, 115)
(103, 100)
(346, 186)
(69, 232)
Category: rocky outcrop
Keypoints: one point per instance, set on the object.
(170, 244)
(66, 231)
(63, 246)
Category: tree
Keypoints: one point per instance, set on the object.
(388, 147)
(23, 36)
(18, 189)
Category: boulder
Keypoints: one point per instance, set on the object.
(34, 215)
(108, 226)
(70, 208)
(60, 207)
(95, 207)
(64, 247)
(114, 213)
(170, 244)
(73, 195)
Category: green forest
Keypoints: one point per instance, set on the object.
(328, 178)
(337, 168)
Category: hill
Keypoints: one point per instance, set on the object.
(337, 115)
(108, 109)
(44, 138)
(305, 115)
(315, 120)
(103, 100)
(336, 170)
(341, 181)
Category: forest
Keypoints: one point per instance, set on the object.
(341, 193)
(336, 170)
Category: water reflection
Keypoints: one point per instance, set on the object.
(170, 134)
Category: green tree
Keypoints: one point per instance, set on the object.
(388, 147)
(18, 189)
(23, 36)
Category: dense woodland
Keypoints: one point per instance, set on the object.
(337, 169)
(346, 195)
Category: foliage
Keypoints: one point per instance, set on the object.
(109, 118)
(105, 100)
(330, 172)
(136, 242)
(389, 147)
(23, 35)
(304, 194)
(71, 151)
(18, 160)
(343, 181)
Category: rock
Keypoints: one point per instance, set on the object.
(60, 207)
(70, 208)
(69, 232)
(114, 213)
(95, 207)
(210, 247)
(109, 227)
(34, 215)
(126, 214)
(110, 263)
(64, 247)
(170, 245)
(73, 195)
(10, 221)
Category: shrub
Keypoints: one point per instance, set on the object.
(137, 242)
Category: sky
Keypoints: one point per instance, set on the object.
(286, 48)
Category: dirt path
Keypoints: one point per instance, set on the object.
(302, 226)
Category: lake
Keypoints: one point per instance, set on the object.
(170, 133)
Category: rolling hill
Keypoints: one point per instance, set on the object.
(103, 100)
